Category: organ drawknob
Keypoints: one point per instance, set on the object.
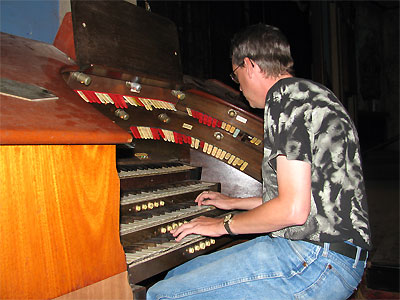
(135, 87)
(178, 94)
(218, 135)
(81, 77)
(232, 113)
(164, 118)
(120, 113)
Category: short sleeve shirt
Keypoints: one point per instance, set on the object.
(305, 121)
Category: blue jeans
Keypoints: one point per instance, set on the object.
(263, 268)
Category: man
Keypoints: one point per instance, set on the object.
(313, 214)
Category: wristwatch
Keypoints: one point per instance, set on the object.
(227, 221)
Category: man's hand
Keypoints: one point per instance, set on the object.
(202, 225)
(222, 201)
(216, 199)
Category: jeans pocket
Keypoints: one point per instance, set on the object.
(331, 284)
(305, 251)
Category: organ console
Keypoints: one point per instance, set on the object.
(107, 155)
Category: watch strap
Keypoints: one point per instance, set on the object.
(226, 225)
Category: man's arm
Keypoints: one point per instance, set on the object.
(291, 206)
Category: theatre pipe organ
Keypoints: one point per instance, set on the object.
(93, 216)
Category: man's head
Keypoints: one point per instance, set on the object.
(260, 57)
(266, 46)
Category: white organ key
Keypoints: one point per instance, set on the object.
(218, 154)
(100, 97)
(172, 106)
(155, 171)
(146, 103)
(155, 103)
(244, 166)
(222, 156)
(210, 147)
(142, 131)
(131, 100)
(83, 96)
(164, 105)
(172, 191)
(231, 158)
(108, 98)
(172, 136)
(167, 135)
(161, 249)
(149, 133)
(163, 219)
(139, 128)
(205, 147)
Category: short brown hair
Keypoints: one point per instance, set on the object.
(266, 45)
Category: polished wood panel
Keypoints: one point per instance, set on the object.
(64, 40)
(59, 225)
(66, 120)
(115, 287)
(121, 36)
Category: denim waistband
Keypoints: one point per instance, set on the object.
(345, 249)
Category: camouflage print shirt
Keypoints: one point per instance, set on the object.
(305, 121)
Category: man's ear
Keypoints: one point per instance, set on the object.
(249, 67)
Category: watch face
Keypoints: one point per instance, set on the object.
(227, 217)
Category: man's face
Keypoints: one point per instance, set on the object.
(248, 86)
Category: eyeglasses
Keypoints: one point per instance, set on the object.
(233, 74)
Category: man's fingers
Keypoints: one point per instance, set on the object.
(182, 231)
(203, 195)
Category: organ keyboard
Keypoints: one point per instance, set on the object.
(149, 210)
(138, 171)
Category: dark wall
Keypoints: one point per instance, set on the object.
(205, 29)
(377, 46)
(368, 49)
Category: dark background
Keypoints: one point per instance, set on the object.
(352, 47)
(205, 29)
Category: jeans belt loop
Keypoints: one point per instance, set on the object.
(326, 250)
(345, 249)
